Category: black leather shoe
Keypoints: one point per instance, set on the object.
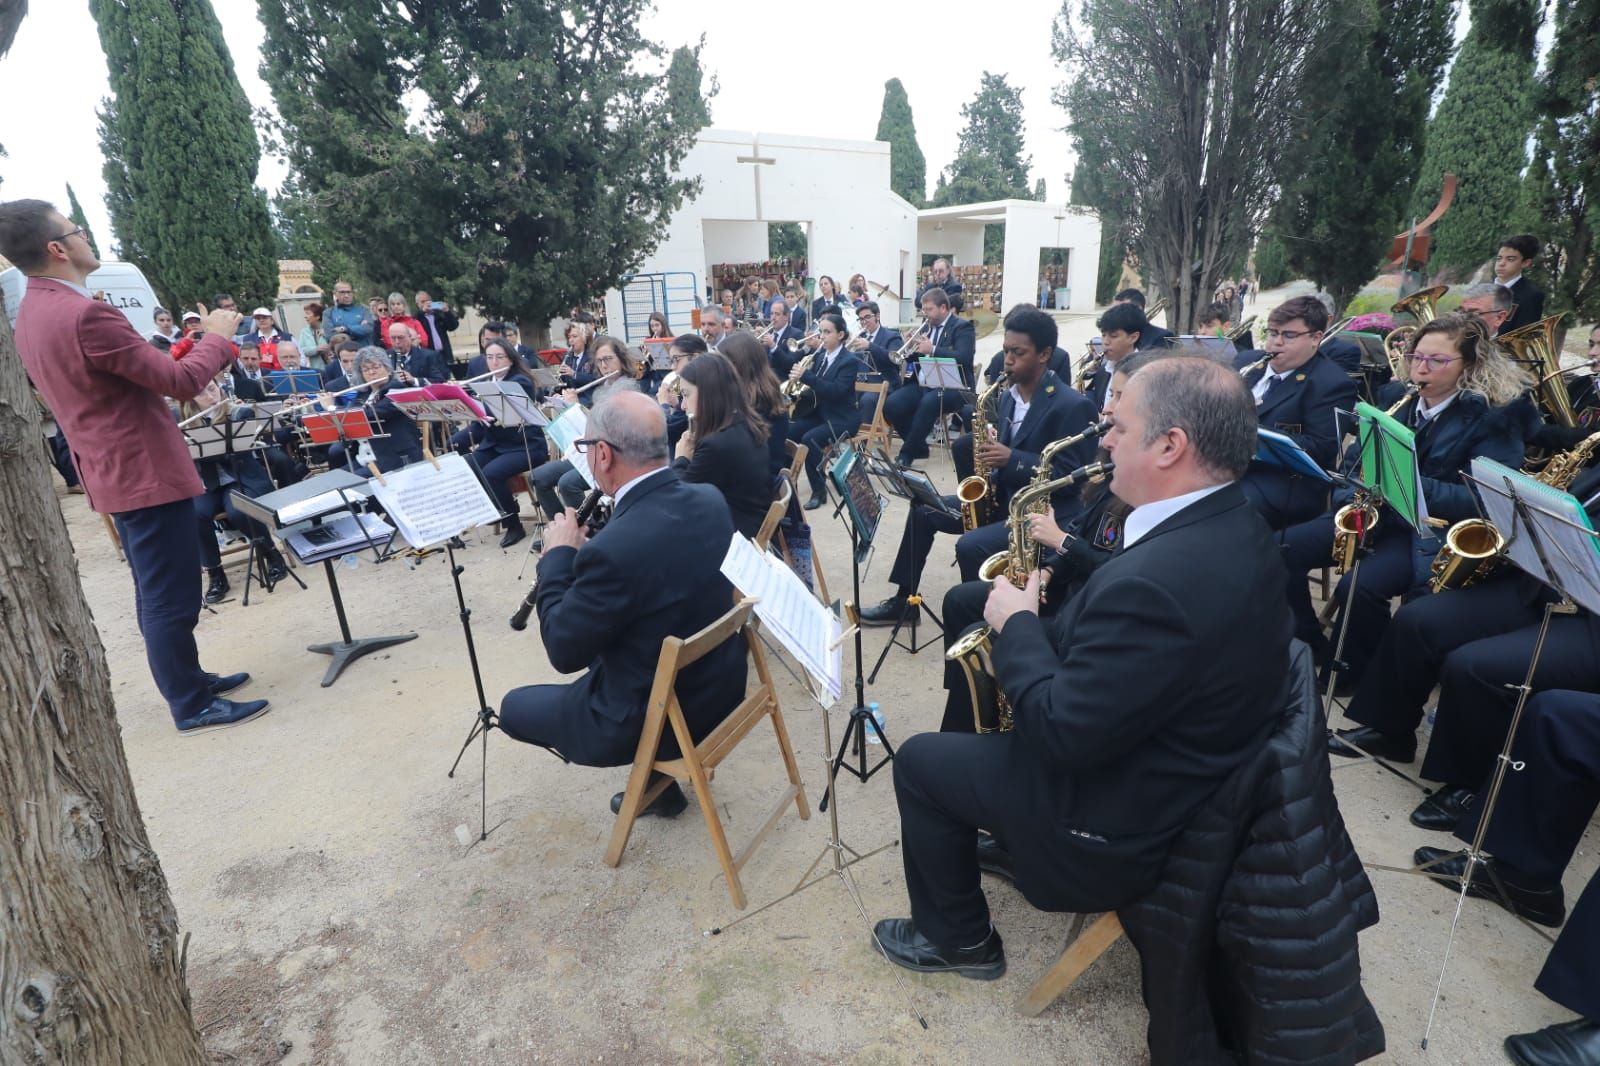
(221, 714)
(514, 533)
(217, 587)
(222, 684)
(669, 804)
(900, 942)
(994, 858)
(1574, 1043)
(1372, 742)
(888, 612)
(277, 569)
(1540, 904)
(817, 500)
(1442, 810)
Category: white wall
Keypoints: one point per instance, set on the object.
(732, 242)
(960, 242)
(1031, 226)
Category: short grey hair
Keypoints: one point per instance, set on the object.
(640, 436)
(1498, 293)
(710, 311)
(397, 296)
(1206, 400)
(1142, 357)
(373, 354)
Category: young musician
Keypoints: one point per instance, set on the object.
(106, 387)
(831, 376)
(726, 445)
(777, 340)
(684, 348)
(1515, 255)
(761, 390)
(914, 411)
(503, 452)
(1153, 335)
(1123, 328)
(1172, 669)
(605, 604)
(874, 345)
(827, 297)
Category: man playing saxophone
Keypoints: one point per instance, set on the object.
(1034, 410)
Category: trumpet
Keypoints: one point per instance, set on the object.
(902, 355)
(807, 343)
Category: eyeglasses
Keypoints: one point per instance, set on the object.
(1289, 334)
(78, 231)
(1430, 361)
(582, 445)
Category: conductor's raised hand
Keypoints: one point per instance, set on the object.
(221, 322)
(563, 531)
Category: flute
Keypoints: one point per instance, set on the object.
(597, 381)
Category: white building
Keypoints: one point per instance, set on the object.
(838, 192)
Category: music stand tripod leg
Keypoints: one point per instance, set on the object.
(347, 650)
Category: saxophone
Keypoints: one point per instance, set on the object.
(1351, 520)
(976, 493)
(1473, 547)
(973, 651)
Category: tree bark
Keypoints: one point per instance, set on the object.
(90, 966)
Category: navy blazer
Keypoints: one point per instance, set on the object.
(604, 608)
(424, 364)
(1302, 405)
(403, 442)
(778, 354)
(836, 390)
(1529, 308)
(877, 355)
(958, 340)
(1057, 411)
(1345, 354)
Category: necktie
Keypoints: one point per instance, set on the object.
(933, 335)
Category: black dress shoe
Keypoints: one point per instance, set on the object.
(887, 613)
(1574, 1043)
(1442, 810)
(221, 714)
(994, 858)
(217, 587)
(1540, 904)
(1372, 742)
(669, 804)
(817, 500)
(900, 942)
(277, 569)
(514, 533)
(222, 684)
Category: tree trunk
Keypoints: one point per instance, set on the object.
(90, 967)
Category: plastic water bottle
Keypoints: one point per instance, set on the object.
(875, 736)
(1427, 723)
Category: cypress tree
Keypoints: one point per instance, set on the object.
(181, 154)
(989, 164)
(78, 218)
(1479, 134)
(908, 168)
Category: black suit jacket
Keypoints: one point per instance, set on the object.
(781, 359)
(245, 389)
(424, 364)
(958, 340)
(1530, 306)
(1155, 337)
(604, 608)
(877, 355)
(735, 463)
(1172, 674)
(836, 390)
(1301, 406)
(441, 322)
(1346, 355)
(1057, 411)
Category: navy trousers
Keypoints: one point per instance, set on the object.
(818, 436)
(1387, 572)
(922, 525)
(61, 457)
(164, 555)
(913, 411)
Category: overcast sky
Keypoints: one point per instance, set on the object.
(823, 77)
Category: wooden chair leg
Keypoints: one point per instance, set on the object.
(1079, 956)
(116, 541)
(781, 730)
(638, 795)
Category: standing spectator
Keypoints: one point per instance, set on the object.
(437, 321)
(222, 301)
(399, 314)
(311, 336)
(347, 316)
(944, 279)
(265, 336)
(165, 327)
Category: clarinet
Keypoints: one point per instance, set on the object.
(593, 516)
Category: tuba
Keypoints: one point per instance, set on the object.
(976, 493)
(1422, 305)
(1534, 346)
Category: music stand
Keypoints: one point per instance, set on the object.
(1548, 536)
(293, 382)
(945, 374)
(918, 488)
(326, 428)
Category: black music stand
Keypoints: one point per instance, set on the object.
(916, 487)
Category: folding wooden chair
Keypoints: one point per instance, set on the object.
(1083, 947)
(699, 762)
(775, 512)
(874, 433)
(797, 463)
(116, 541)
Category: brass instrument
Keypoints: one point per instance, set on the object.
(802, 398)
(1021, 556)
(808, 343)
(1155, 309)
(1534, 346)
(1354, 519)
(1423, 305)
(976, 493)
(906, 351)
(1240, 330)
(1084, 374)
(973, 651)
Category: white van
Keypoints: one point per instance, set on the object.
(123, 285)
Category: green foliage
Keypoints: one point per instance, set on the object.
(786, 240)
(1038, 190)
(181, 155)
(1087, 191)
(76, 216)
(520, 156)
(989, 164)
(908, 168)
(1368, 302)
(1272, 262)
(1349, 177)
(1479, 134)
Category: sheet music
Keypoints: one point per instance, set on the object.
(1563, 529)
(325, 503)
(338, 537)
(509, 403)
(940, 373)
(1277, 449)
(805, 628)
(570, 425)
(430, 506)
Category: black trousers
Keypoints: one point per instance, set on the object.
(164, 555)
(1386, 572)
(498, 464)
(913, 411)
(61, 458)
(916, 541)
(207, 506)
(818, 436)
(558, 487)
(1541, 815)
(949, 785)
(548, 715)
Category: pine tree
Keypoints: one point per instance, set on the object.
(1087, 191)
(1038, 190)
(908, 168)
(989, 162)
(545, 167)
(1479, 135)
(78, 218)
(192, 220)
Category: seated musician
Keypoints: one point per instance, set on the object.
(914, 411)
(1123, 329)
(220, 477)
(343, 374)
(794, 301)
(503, 452)
(290, 356)
(712, 328)
(1469, 403)
(778, 338)
(1171, 671)
(761, 387)
(558, 485)
(830, 373)
(249, 382)
(874, 346)
(398, 442)
(414, 364)
(669, 395)
(1217, 321)
(726, 445)
(1536, 826)
(828, 297)
(1153, 336)
(605, 604)
(1037, 408)
(1298, 393)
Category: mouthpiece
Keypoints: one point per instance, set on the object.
(1091, 472)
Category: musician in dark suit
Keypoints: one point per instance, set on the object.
(1122, 330)
(249, 383)
(726, 445)
(777, 340)
(914, 411)
(873, 346)
(222, 476)
(1035, 410)
(606, 604)
(422, 366)
(398, 440)
(1297, 394)
(1060, 363)
(1152, 336)
(794, 300)
(1110, 756)
(831, 376)
(501, 453)
(1515, 255)
(944, 280)
(828, 297)
(437, 322)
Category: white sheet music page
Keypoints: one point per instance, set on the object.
(430, 506)
(797, 620)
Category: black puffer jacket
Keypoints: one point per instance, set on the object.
(1248, 945)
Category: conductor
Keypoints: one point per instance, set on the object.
(1169, 673)
(606, 603)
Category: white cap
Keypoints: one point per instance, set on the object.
(188, 315)
(260, 312)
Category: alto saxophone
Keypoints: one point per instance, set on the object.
(976, 493)
(1354, 519)
(1021, 556)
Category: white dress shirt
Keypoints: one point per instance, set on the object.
(1144, 518)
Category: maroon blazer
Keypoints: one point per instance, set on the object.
(106, 385)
